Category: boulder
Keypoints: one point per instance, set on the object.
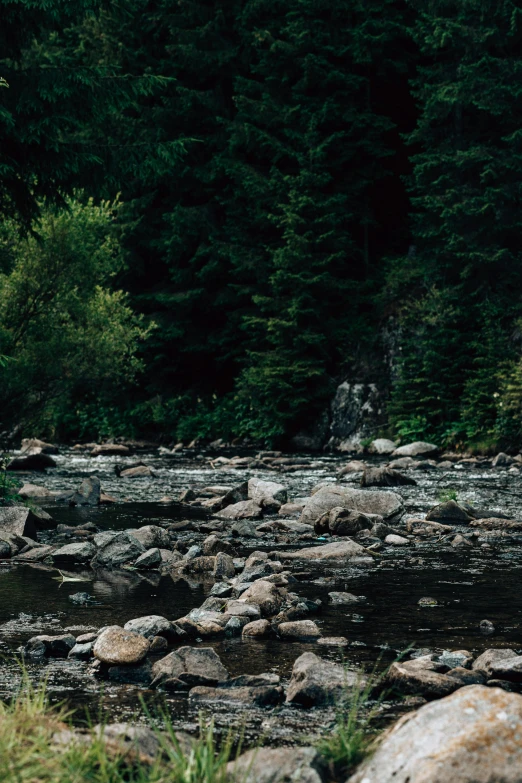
(152, 536)
(245, 509)
(345, 599)
(223, 566)
(502, 460)
(36, 462)
(387, 504)
(213, 544)
(110, 450)
(23, 521)
(394, 540)
(382, 446)
(34, 492)
(33, 446)
(497, 523)
(257, 628)
(417, 449)
(50, 646)
(421, 677)
(138, 471)
(472, 736)
(266, 595)
(451, 512)
(508, 669)
(88, 494)
(264, 493)
(188, 667)
(277, 765)
(354, 466)
(490, 658)
(118, 647)
(299, 630)
(151, 625)
(149, 559)
(316, 682)
(385, 477)
(114, 549)
(339, 551)
(82, 552)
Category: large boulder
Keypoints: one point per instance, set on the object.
(114, 549)
(187, 667)
(382, 446)
(385, 477)
(421, 677)
(299, 630)
(152, 537)
(417, 449)
(388, 505)
(342, 522)
(266, 595)
(36, 462)
(34, 446)
(489, 659)
(81, 552)
(316, 682)
(264, 493)
(451, 512)
(88, 494)
(152, 625)
(23, 521)
(472, 736)
(339, 551)
(277, 765)
(118, 647)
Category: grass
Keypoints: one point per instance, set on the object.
(447, 494)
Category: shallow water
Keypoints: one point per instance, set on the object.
(469, 586)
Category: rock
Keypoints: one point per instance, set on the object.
(354, 466)
(82, 652)
(316, 682)
(149, 559)
(277, 765)
(36, 462)
(421, 677)
(382, 446)
(394, 540)
(291, 509)
(342, 522)
(299, 629)
(82, 552)
(128, 739)
(51, 646)
(187, 667)
(244, 528)
(456, 658)
(223, 566)
(449, 512)
(236, 494)
(344, 599)
(497, 523)
(88, 494)
(139, 471)
(152, 537)
(34, 555)
(355, 409)
(263, 696)
(5, 549)
(81, 599)
(33, 446)
(264, 493)
(23, 521)
(472, 736)
(213, 544)
(502, 460)
(245, 509)
(486, 627)
(387, 504)
(465, 677)
(417, 449)
(427, 601)
(489, 658)
(459, 542)
(238, 608)
(264, 594)
(116, 646)
(134, 674)
(257, 628)
(110, 450)
(338, 551)
(151, 625)
(385, 477)
(32, 491)
(508, 668)
(114, 549)
(333, 641)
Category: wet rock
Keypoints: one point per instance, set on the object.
(466, 677)
(187, 496)
(223, 566)
(135, 674)
(266, 595)
(277, 765)
(34, 555)
(456, 658)
(340, 521)
(23, 521)
(316, 682)
(459, 542)
(152, 537)
(245, 509)
(486, 627)
(449, 512)
(34, 492)
(151, 625)
(244, 528)
(402, 463)
(339, 551)
(382, 446)
(388, 505)
(257, 628)
(345, 599)
(236, 494)
(81, 652)
(237, 608)
(427, 601)
(299, 630)
(471, 736)
(394, 540)
(158, 644)
(193, 552)
(117, 647)
(291, 509)
(262, 696)
(221, 590)
(169, 557)
(110, 450)
(88, 494)
(81, 599)
(502, 460)
(380, 530)
(36, 462)
(5, 549)
(188, 667)
(264, 493)
(149, 559)
(32, 446)
(138, 471)
(489, 658)
(385, 477)
(496, 523)
(333, 641)
(417, 449)
(421, 677)
(51, 646)
(114, 549)
(508, 668)
(74, 553)
(213, 545)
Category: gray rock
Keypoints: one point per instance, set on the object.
(382, 446)
(194, 551)
(36, 462)
(489, 658)
(421, 677)
(213, 545)
(5, 549)
(152, 537)
(449, 512)
(188, 667)
(241, 609)
(417, 449)
(245, 509)
(116, 549)
(23, 521)
(34, 492)
(263, 696)
(508, 669)
(339, 551)
(345, 599)
(456, 658)
(385, 477)
(149, 559)
(257, 628)
(137, 471)
(502, 460)
(264, 493)
(88, 494)
(34, 555)
(118, 647)
(389, 505)
(299, 630)
(81, 652)
(471, 736)
(110, 450)
(316, 682)
(486, 627)
(265, 595)
(277, 765)
(394, 540)
(53, 646)
(151, 625)
(82, 552)
(223, 566)
(342, 522)
(32, 446)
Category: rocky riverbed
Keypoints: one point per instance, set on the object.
(287, 592)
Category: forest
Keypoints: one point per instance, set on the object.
(215, 211)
